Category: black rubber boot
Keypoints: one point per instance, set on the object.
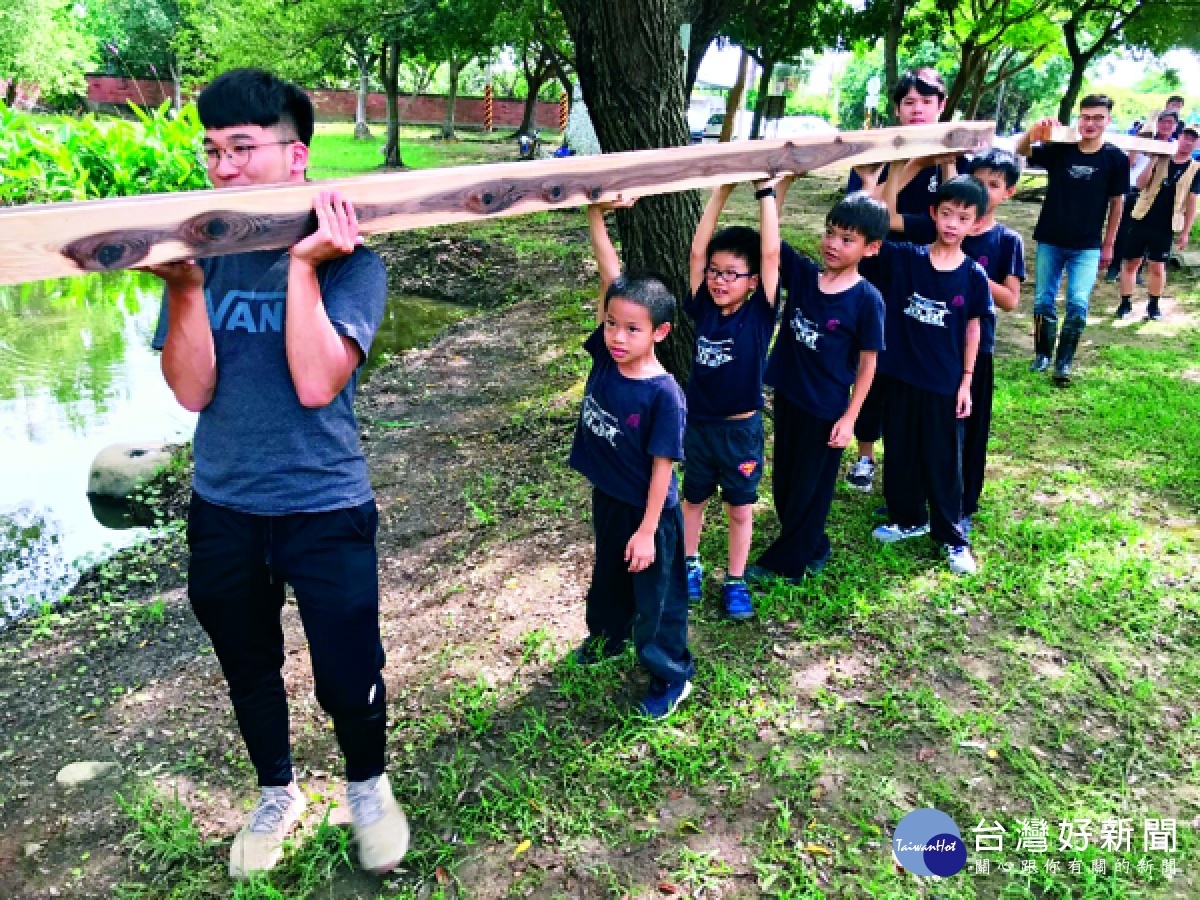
(1045, 330)
(1068, 342)
(1153, 313)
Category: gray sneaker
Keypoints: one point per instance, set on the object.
(861, 476)
(379, 824)
(259, 845)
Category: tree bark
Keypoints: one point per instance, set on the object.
(448, 133)
(535, 78)
(733, 104)
(391, 87)
(362, 131)
(891, 50)
(760, 108)
(630, 65)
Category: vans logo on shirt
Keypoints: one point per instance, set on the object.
(1083, 172)
(927, 312)
(713, 354)
(599, 422)
(249, 311)
(805, 330)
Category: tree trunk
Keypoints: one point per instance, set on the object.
(391, 87)
(535, 78)
(176, 87)
(451, 99)
(630, 65)
(1066, 106)
(891, 50)
(362, 131)
(733, 104)
(707, 19)
(10, 94)
(966, 73)
(760, 108)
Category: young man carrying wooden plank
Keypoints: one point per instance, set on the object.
(267, 346)
(1087, 185)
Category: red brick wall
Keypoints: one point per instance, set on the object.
(338, 106)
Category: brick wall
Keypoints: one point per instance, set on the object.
(338, 106)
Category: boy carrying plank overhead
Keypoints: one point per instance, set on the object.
(267, 347)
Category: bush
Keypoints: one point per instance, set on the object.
(43, 160)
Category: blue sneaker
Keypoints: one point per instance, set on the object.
(695, 578)
(662, 698)
(965, 525)
(739, 606)
(890, 534)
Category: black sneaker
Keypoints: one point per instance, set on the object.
(594, 651)
(1153, 313)
(1124, 308)
(861, 476)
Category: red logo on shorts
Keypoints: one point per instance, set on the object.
(747, 468)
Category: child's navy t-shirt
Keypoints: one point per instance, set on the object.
(258, 449)
(623, 424)
(815, 358)
(999, 250)
(925, 328)
(731, 352)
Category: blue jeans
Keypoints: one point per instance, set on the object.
(1081, 267)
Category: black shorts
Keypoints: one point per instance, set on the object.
(1152, 243)
(727, 453)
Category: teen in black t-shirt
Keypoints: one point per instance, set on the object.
(1077, 227)
(1166, 207)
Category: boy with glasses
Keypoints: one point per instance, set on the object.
(1085, 193)
(267, 347)
(734, 282)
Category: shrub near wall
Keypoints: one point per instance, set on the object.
(43, 160)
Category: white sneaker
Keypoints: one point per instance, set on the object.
(379, 824)
(961, 561)
(890, 534)
(259, 845)
(861, 476)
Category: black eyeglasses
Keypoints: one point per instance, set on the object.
(726, 275)
(238, 154)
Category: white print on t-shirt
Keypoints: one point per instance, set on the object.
(927, 312)
(1084, 172)
(933, 184)
(601, 423)
(713, 354)
(805, 330)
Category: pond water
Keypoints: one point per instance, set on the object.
(77, 374)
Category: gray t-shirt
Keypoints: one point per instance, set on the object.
(257, 449)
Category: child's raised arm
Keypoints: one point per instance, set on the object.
(698, 260)
(602, 247)
(768, 267)
(897, 181)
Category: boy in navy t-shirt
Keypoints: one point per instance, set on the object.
(1001, 253)
(832, 330)
(935, 297)
(734, 281)
(630, 432)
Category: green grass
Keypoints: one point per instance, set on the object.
(1057, 684)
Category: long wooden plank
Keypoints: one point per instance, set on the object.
(1065, 134)
(63, 239)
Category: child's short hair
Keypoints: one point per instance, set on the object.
(740, 241)
(965, 190)
(927, 81)
(1091, 101)
(1169, 114)
(255, 97)
(647, 290)
(1175, 98)
(862, 213)
(996, 160)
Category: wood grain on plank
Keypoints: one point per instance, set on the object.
(63, 239)
(1065, 134)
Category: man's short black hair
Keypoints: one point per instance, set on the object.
(647, 290)
(1169, 114)
(927, 81)
(1091, 101)
(740, 241)
(862, 213)
(1175, 98)
(255, 97)
(996, 160)
(964, 190)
